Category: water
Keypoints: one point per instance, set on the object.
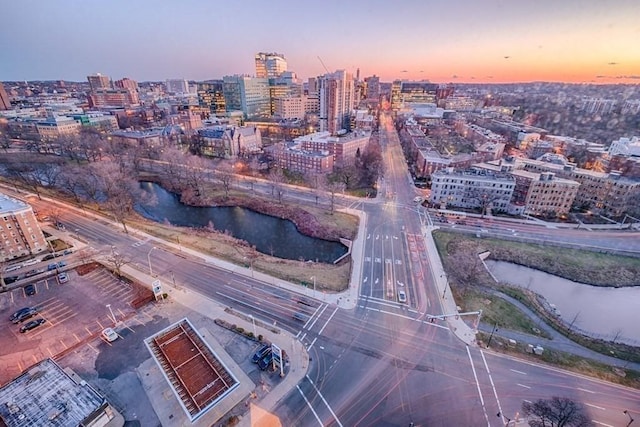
(599, 311)
(270, 235)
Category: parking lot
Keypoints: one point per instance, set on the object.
(74, 312)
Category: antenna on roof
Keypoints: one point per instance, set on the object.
(325, 67)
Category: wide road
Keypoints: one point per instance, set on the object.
(384, 362)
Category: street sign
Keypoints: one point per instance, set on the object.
(157, 288)
(277, 358)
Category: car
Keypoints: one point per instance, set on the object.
(264, 363)
(31, 262)
(402, 297)
(48, 257)
(13, 267)
(109, 335)
(300, 317)
(32, 273)
(60, 226)
(30, 289)
(63, 278)
(67, 252)
(260, 353)
(31, 325)
(23, 314)
(62, 264)
(52, 266)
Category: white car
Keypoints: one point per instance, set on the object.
(31, 262)
(13, 267)
(109, 335)
(402, 297)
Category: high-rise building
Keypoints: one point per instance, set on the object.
(211, 96)
(98, 81)
(373, 88)
(336, 101)
(270, 65)
(113, 98)
(126, 83)
(5, 104)
(177, 86)
(247, 94)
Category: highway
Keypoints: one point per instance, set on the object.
(383, 363)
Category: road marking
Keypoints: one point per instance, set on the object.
(309, 405)
(518, 372)
(495, 393)
(586, 391)
(325, 402)
(312, 343)
(306, 325)
(478, 385)
(595, 406)
(63, 344)
(77, 339)
(525, 400)
(92, 347)
(328, 320)
(601, 424)
(522, 385)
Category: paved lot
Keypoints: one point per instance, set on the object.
(75, 312)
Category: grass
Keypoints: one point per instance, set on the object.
(619, 375)
(58, 245)
(496, 311)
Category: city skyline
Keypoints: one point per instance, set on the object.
(456, 41)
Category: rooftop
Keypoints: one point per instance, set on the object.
(47, 395)
(9, 205)
(197, 376)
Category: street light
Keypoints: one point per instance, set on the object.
(149, 260)
(112, 315)
(445, 284)
(253, 320)
(314, 286)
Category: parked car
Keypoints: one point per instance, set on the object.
(48, 257)
(264, 363)
(63, 278)
(260, 353)
(32, 273)
(300, 316)
(13, 267)
(30, 289)
(32, 261)
(31, 325)
(62, 264)
(23, 314)
(109, 335)
(67, 252)
(52, 266)
(402, 297)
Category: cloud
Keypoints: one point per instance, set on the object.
(632, 76)
(612, 63)
(507, 57)
(455, 76)
(620, 77)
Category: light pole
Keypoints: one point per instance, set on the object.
(149, 260)
(495, 328)
(314, 286)
(445, 284)
(112, 315)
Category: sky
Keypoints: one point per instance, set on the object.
(471, 41)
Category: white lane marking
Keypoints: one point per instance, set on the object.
(518, 372)
(586, 391)
(312, 343)
(478, 385)
(601, 424)
(495, 393)
(327, 322)
(522, 385)
(310, 407)
(595, 406)
(306, 325)
(525, 400)
(325, 402)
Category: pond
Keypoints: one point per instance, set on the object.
(598, 311)
(270, 235)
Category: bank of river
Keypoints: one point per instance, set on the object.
(599, 311)
(270, 235)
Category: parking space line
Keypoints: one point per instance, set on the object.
(20, 367)
(99, 324)
(92, 347)
(50, 352)
(88, 330)
(127, 326)
(63, 344)
(77, 339)
(139, 321)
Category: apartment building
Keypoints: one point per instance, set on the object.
(343, 147)
(19, 229)
(290, 156)
(473, 188)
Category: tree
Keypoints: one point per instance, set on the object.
(333, 187)
(555, 412)
(277, 178)
(117, 260)
(224, 173)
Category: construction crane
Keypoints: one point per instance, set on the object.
(325, 67)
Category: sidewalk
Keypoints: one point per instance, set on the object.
(456, 324)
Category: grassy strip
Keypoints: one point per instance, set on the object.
(496, 311)
(582, 266)
(570, 362)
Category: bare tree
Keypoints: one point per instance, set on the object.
(225, 175)
(277, 178)
(117, 261)
(333, 188)
(555, 412)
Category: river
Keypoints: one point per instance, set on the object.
(599, 311)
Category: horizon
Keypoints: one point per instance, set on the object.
(446, 42)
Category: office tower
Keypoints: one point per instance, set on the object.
(336, 101)
(5, 104)
(211, 96)
(270, 65)
(98, 81)
(247, 94)
(373, 87)
(126, 83)
(177, 86)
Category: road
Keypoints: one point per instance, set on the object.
(384, 362)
